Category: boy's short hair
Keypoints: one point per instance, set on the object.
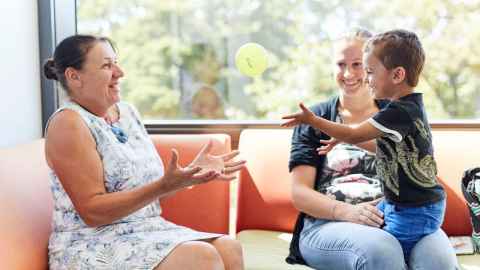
(399, 48)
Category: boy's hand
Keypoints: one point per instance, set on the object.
(328, 145)
(305, 116)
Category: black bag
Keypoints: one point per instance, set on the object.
(471, 192)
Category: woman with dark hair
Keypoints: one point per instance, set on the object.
(107, 177)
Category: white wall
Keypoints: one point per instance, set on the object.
(20, 97)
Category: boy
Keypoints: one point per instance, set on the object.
(414, 202)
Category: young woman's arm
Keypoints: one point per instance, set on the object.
(307, 200)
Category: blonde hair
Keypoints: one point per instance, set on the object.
(358, 33)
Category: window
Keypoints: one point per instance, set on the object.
(179, 55)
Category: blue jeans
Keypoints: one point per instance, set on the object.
(410, 224)
(330, 245)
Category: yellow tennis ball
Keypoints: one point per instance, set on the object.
(251, 59)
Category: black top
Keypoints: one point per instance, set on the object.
(404, 156)
(305, 141)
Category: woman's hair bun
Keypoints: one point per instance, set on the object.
(50, 70)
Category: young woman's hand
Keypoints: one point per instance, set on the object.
(304, 116)
(328, 145)
(363, 213)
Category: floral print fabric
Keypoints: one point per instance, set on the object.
(349, 175)
(140, 240)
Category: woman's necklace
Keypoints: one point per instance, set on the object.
(116, 130)
(119, 133)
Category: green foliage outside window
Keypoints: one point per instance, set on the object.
(171, 49)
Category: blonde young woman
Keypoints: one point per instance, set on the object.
(348, 235)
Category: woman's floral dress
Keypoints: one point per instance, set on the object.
(138, 241)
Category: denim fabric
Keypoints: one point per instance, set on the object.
(330, 245)
(410, 224)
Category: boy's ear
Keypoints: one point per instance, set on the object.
(398, 75)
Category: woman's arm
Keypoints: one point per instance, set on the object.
(71, 153)
(307, 200)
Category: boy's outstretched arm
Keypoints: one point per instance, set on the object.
(353, 134)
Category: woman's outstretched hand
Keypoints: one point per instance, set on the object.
(304, 116)
(327, 146)
(176, 177)
(224, 164)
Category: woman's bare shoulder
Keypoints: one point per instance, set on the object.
(67, 133)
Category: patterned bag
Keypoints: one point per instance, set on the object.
(471, 191)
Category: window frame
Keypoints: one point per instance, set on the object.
(55, 22)
(57, 19)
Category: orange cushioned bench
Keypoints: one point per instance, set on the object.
(265, 213)
(26, 203)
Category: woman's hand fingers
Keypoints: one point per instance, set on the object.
(203, 152)
(371, 216)
(191, 170)
(323, 150)
(328, 142)
(235, 163)
(229, 156)
(227, 177)
(206, 148)
(233, 169)
(376, 201)
(204, 175)
(174, 159)
(327, 147)
(376, 216)
(367, 221)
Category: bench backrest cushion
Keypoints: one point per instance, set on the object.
(264, 199)
(204, 207)
(26, 202)
(455, 151)
(25, 207)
